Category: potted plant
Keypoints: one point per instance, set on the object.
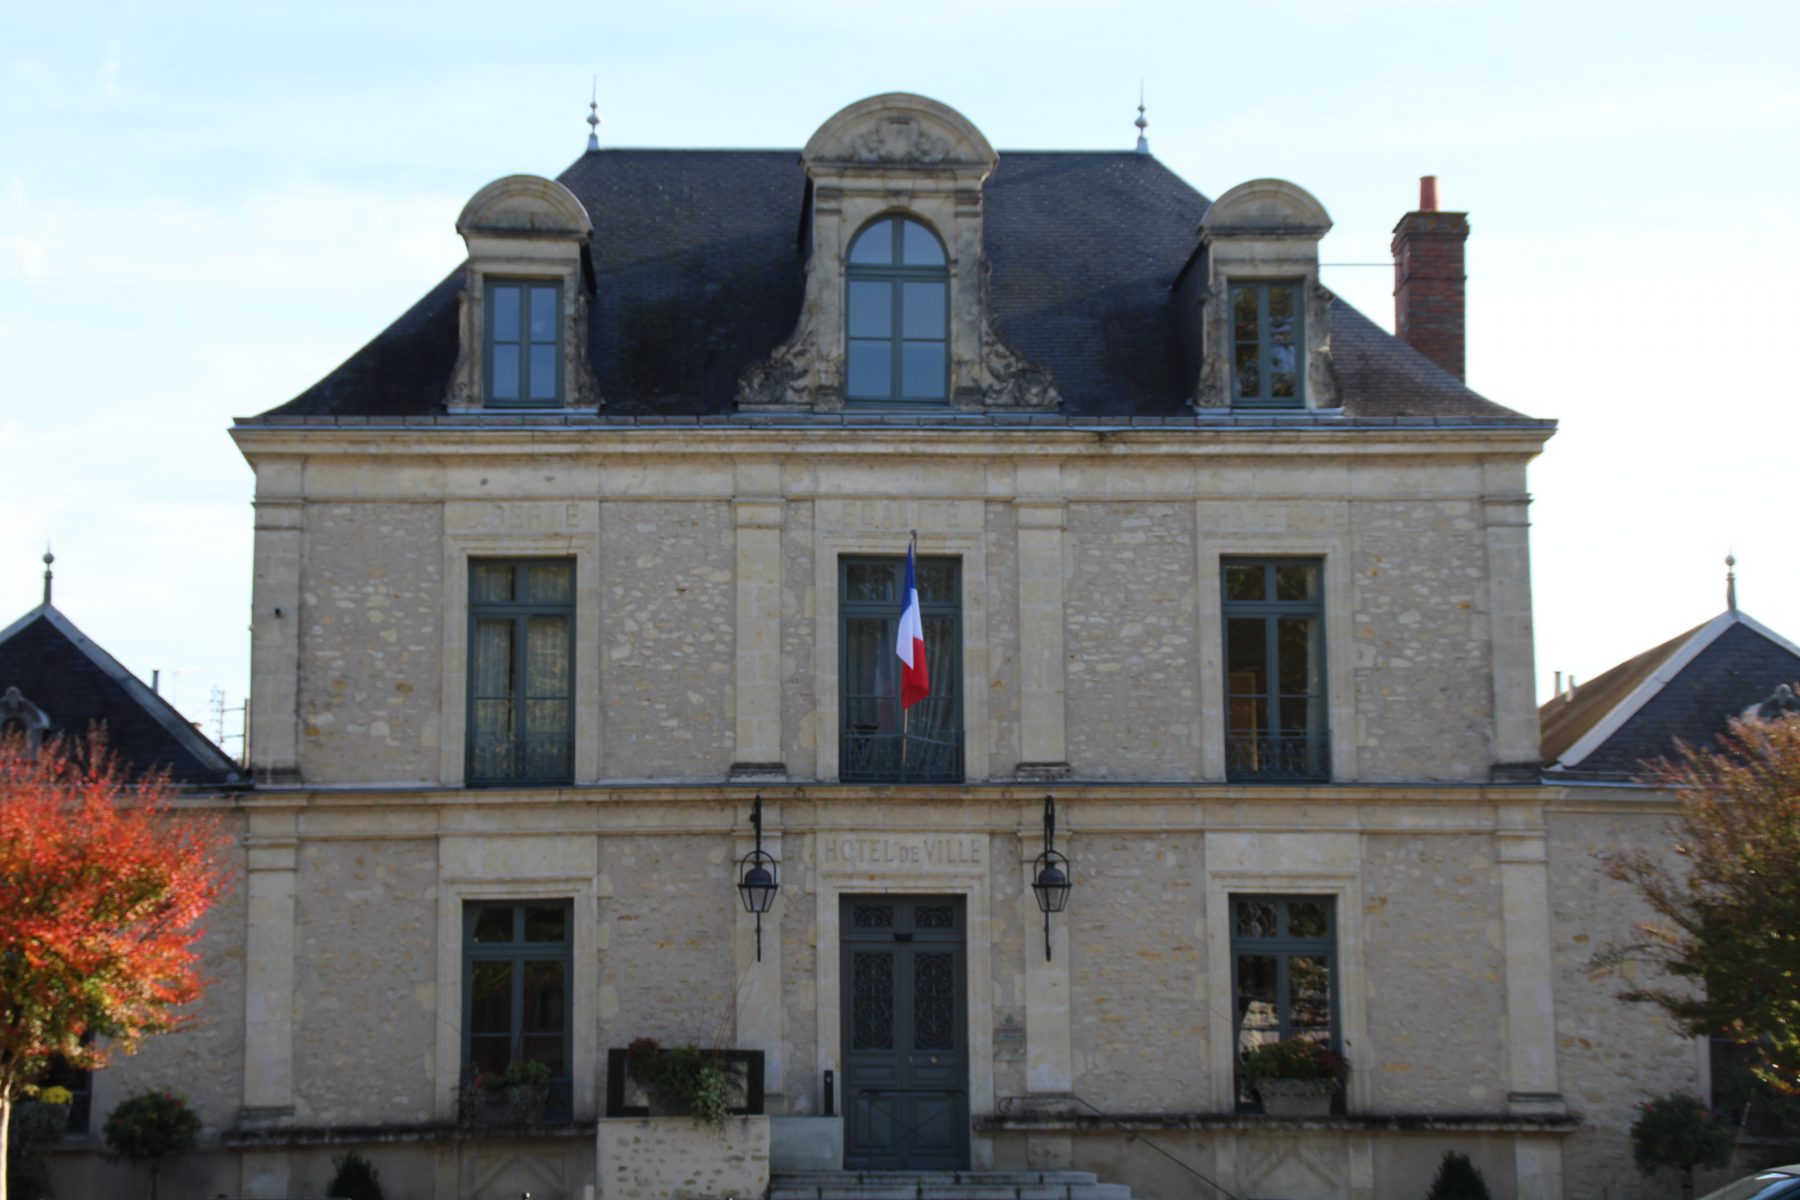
(1296, 1077)
(151, 1128)
(684, 1081)
(516, 1096)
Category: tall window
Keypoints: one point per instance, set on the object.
(521, 660)
(1283, 973)
(524, 343)
(877, 741)
(1275, 670)
(1265, 345)
(516, 990)
(898, 315)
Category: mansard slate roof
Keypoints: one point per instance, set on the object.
(75, 683)
(699, 267)
(1687, 689)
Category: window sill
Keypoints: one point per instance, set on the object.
(347, 1135)
(1050, 1122)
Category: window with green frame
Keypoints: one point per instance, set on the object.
(521, 667)
(1283, 974)
(517, 994)
(877, 741)
(523, 343)
(1274, 612)
(1267, 349)
(897, 304)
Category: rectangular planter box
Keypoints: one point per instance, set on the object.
(806, 1144)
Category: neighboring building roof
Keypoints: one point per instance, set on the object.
(699, 271)
(1687, 689)
(76, 683)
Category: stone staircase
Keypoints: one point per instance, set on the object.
(944, 1185)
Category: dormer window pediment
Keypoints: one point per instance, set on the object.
(895, 323)
(523, 323)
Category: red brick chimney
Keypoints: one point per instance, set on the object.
(1428, 279)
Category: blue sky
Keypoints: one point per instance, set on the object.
(205, 207)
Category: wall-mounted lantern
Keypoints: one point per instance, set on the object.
(758, 878)
(1050, 877)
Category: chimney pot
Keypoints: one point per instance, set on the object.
(1428, 198)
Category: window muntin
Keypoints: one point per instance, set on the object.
(1274, 617)
(1283, 974)
(1266, 345)
(897, 302)
(875, 744)
(521, 668)
(524, 343)
(517, 992)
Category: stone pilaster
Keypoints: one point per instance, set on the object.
(273, 745)
(1049, 1048)
(757, 691)
(1530, 985)
(272, 857)
(1042, 518)
(1509, 625)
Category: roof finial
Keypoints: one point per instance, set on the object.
(49, 558)
(593, 117)
(1730, 582)
(1143, 146)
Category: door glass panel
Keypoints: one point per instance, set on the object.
(872, 1000)
(873, 916)
(934, 1000)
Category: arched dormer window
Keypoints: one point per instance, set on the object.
(898, 323)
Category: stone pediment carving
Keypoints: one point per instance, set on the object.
(899, 129)
(525, 206)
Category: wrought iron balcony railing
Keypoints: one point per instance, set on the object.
(1278, 757)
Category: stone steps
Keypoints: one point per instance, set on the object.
(944, 1185)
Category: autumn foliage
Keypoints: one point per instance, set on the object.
(1727, 915)
(103, 885)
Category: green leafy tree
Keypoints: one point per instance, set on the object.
(1458, 1179)
(151, 1128)
(1679, 1132)
(1727, 915)
(356, 1179)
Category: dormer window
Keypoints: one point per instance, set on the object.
(898, 298)
(1266, 344)
(524, 351)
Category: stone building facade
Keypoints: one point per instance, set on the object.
(588, 550)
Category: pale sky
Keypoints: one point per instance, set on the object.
(205, 207)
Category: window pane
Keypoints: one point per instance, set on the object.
(494, 923)
(871, 308)
(1308, 919)
(872, 583)
(493, 659)
(871, 369)
(547, 1049)
(543, 314)
(1243, 314)
(489, 1055)
(543, 372)
(547, 658)
(874, 246)
(1246, 653)
(918, 247)
(936, 580)
(871, 682)
(1256, 919)
(1296, 581)
(504, 320)
(1309, 996)
(1248, 371)
(1259, 1014)
(1297, 642)
(506, 372)
(549, 583)
(490, 997)
(546, 923)
(923, 310)
(1244, 581)
(493, 582)
(1281, 313)
(544, 997)
(922, 371)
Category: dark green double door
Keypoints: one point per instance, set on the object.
(906, 1033)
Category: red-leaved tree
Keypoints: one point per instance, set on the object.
(103, 884)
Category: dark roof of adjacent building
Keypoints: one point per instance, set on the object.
(699, 271)
(76, 684)
(1688, 689)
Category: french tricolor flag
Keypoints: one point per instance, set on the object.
(909, 641)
